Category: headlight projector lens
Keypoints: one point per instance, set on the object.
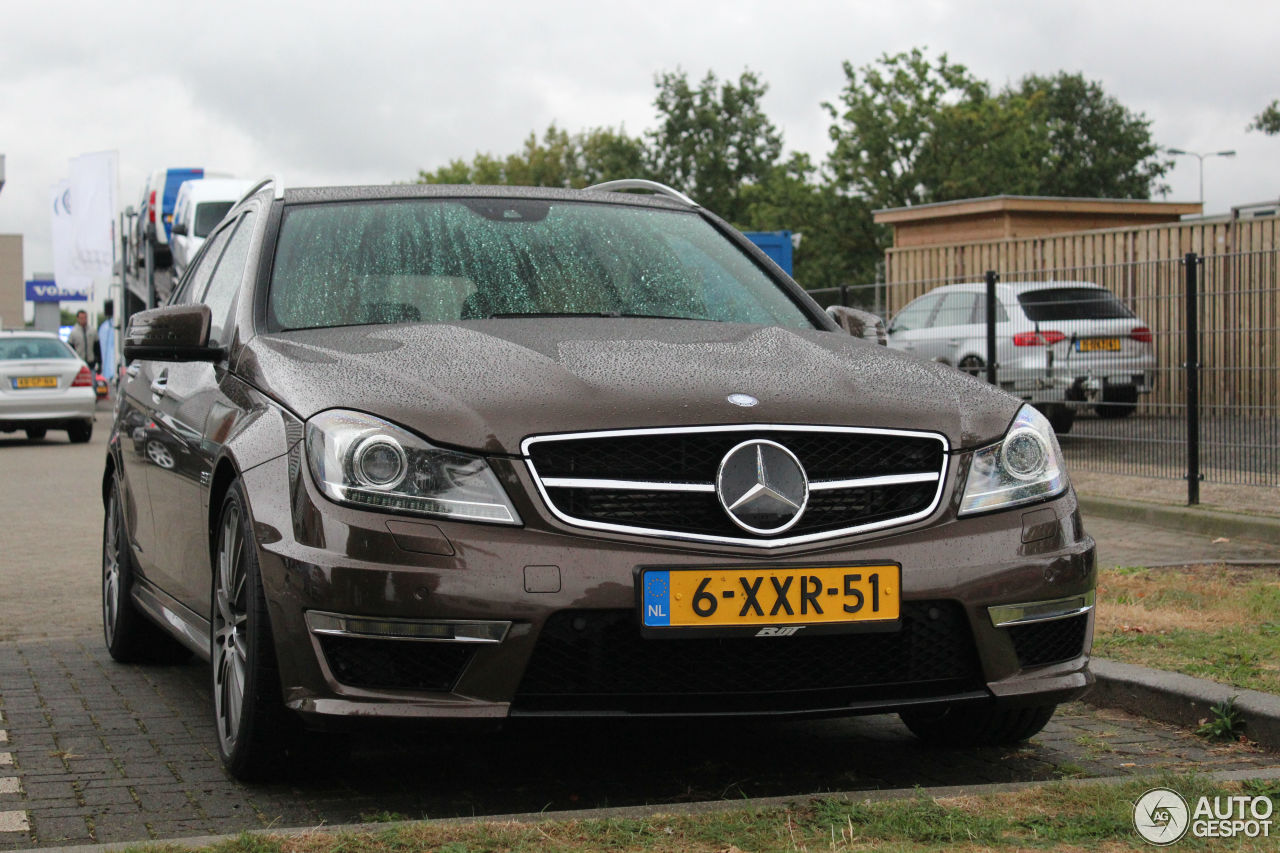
(1024, 455)
(379, 463)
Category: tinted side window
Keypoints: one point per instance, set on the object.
(956, 309)
(221, 295)
(980, 310)
(916, 315)
(198, 274)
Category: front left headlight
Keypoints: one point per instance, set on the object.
(362, 460)
(1025, 466)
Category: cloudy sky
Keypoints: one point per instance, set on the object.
(343, 92)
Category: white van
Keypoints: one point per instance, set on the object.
(200, 207)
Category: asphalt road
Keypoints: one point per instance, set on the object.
(91, 750)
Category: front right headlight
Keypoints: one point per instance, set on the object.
(1025, 466)
(368, 462)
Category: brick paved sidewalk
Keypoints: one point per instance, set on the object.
(105, 753)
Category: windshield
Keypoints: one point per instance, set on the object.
(16, 349)
(1072, 303)
(441, 261)
(208, 215)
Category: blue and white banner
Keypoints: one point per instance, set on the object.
(67, 269)
(93, 211)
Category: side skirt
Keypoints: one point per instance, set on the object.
(171, 615)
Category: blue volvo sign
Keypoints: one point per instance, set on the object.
(40, 290)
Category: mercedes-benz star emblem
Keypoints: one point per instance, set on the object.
(762, 486)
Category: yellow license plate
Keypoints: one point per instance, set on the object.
(35, 382)
(1100, 345)
(754, 596)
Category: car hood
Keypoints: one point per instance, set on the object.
(488, 384)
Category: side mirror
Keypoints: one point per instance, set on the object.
(172, 333)
(860, 324)
(180, 229)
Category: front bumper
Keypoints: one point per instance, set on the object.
(386, 616)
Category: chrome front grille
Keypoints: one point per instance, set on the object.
(662, 482)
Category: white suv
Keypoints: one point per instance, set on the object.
(200, 207)
(1060, 345)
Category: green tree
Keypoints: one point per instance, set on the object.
(1267, 121)
(1093, 146)
(837, 245)
(558, 159)
(713, 140)
(910, 131)
(885, 126)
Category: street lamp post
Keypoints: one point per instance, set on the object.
(1201, 157)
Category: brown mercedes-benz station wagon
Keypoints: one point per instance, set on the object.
(481, 452)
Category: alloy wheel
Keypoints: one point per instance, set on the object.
(159, 454)
(111, 567)
(230, 628)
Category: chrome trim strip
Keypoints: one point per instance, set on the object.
(731, 540)
(1030, 612)
(867, 482)
(622, 485)
(469, 631)
(173, 617)
(642, 184)
(269, 180)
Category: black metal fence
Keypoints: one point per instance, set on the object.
(1167, 369)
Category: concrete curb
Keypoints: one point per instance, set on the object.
(1207, 522)
(639, 812)
(1181, 699)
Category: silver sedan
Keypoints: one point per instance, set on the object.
(44, 385)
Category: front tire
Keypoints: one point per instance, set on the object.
(983, 725)
(36, 433)
(254, 728)
(129, 635)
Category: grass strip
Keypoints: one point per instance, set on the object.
(1215, 622)
(1057, 816)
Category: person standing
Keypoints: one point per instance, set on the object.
(82, 339)
(107, 342)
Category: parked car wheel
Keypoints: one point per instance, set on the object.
(159, 454)
(978, 726)
(250, 716)
(972, 365)
(1061, 418)
(36, 433)
(80, 431)
(1117, 402)
(130, 636)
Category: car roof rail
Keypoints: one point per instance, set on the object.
(642, 184)
(269, 180)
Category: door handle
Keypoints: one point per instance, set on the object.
(132, 370)
(160, 384)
